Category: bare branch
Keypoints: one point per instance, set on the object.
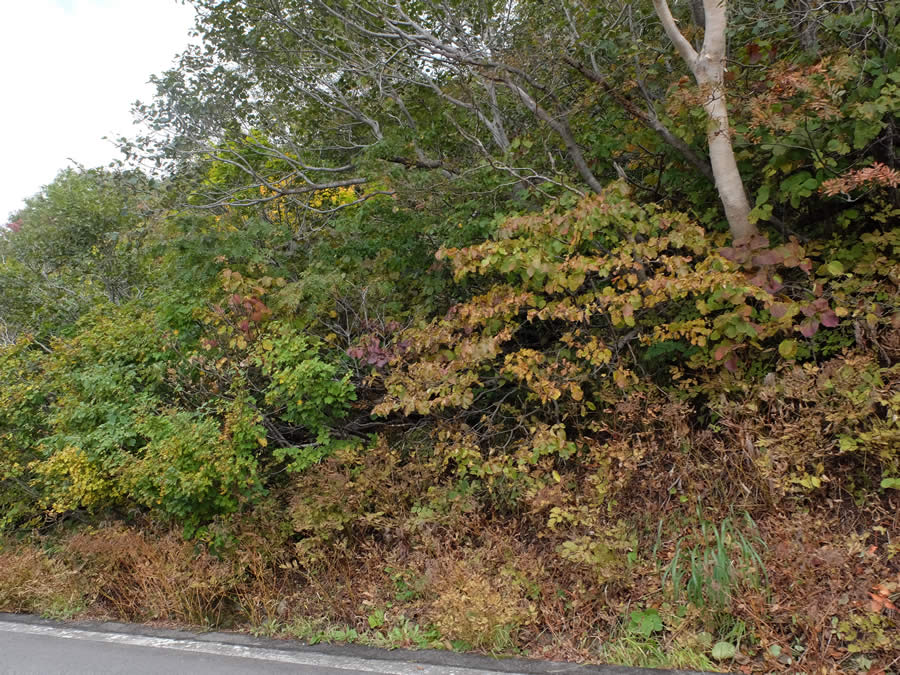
(682, 46)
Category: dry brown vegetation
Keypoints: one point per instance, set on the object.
(387, 546)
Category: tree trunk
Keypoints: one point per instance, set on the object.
(708, 68)
(697, 13)
(807, 26)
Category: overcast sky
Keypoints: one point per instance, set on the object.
(69, 72)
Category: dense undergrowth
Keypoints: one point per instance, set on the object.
(476, 410)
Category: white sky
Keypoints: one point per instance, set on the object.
(69, 72)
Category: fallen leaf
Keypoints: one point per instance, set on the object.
(880, 602)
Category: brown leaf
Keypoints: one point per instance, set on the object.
(880, 602)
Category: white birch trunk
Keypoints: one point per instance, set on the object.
(708, 68)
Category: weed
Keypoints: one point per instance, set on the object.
(408, 586)
(653, 652)
(407, 634)
(404, 633)
(480, 611)
(317, 630)
(141, 578)
(376, 619)
(645, 622)
(707, 575)
(268, 628)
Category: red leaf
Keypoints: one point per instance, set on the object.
(774, 285)
(809, 327)
(880, 602)
(761, 279)
(779, 309)
(728, 253)
(754, 53)
(758, 241)
(722, 351)
(769, 257)
(829, 319)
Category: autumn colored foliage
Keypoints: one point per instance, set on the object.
(383, 366)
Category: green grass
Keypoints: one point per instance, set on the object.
(648, 652)
(404, 633)
(708, 574)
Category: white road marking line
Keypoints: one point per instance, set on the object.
(262, 654)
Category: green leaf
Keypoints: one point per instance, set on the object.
(788, 349)
(810, 184)
(890, 483)
(835, 268)
(376, 619)
(722, 651)
(573, 283)
(645, 622)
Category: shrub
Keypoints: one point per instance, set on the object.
(481, 609)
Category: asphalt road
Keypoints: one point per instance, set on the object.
(23, 654)
(29, 645)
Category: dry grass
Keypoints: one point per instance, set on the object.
(33, 582)
(140, 577)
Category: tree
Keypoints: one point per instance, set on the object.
(708, 68)
(410, 97)
(319, 88)
(71, 246)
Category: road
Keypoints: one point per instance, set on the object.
(31, 646)
(22, 654)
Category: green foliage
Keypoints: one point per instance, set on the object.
(644, 622)
(581, 299)
(305, 390)
(711, 573)
(70, 423)
(187, 470)
(74, 247)
(89, 428)
(865, 632)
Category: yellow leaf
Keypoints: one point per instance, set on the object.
(263, 442)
